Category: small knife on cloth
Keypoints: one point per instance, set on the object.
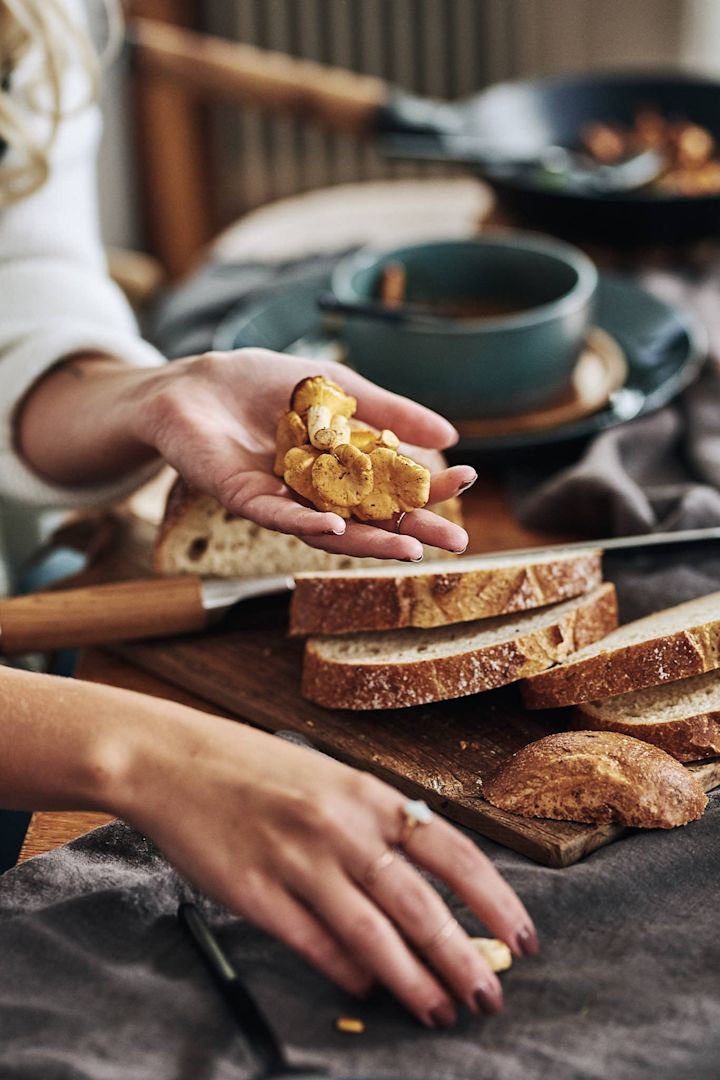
(123, 611)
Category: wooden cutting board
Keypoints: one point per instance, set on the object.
(437, 752)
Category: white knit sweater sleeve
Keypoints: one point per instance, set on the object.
(56, 299)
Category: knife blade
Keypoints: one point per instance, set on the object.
(123, 611)
(616, 543)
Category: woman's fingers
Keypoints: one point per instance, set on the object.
(383, 539)
(410, 421)
(425, 920)
(452, 857)
(367, 933)
(451, 482)
(367, 541)
(430, 529)
(265, 500)
(288, 919)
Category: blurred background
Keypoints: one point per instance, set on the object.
(239, 159)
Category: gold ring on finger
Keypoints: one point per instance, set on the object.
(377, 866)
(415, 812)
(442, 935)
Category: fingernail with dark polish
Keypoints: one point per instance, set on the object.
(527, 941)
(487, 1001)
(443, 1016)
(469, 484)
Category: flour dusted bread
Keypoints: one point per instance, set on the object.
(198, 536)
(682, 718)
(399, 668)
(438, 595)
(673, 644)
(597, 776)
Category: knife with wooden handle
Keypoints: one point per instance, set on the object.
(123, 611)
(156, 607)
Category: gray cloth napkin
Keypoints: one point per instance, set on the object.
(659, 472)
(99, 981)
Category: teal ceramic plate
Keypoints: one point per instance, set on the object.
(664, 345)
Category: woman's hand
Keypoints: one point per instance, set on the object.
(302, 846)
(213, 418)
(307, 849)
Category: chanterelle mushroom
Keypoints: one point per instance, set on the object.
(325, 407)
(399, 486)
(344, 477)
(298, 475)
(291, 431)
(369, 439)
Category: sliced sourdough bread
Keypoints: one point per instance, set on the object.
(198, 536)
(398, 668)
(438, 595)
(672, 644)
(682, 718)
(596, 776)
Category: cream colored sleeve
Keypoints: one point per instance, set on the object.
(57, 299)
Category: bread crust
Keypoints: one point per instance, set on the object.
(346, 603)
(691, 737)
(628, 667)
(180, 499)
(597, 776)
(336, 684)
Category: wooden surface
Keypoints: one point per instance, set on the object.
(438, 752)
(249, 669)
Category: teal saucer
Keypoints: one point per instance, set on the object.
(665, 347)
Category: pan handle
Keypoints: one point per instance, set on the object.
(244, 75)
(100, 614)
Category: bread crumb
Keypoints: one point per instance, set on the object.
(496, 953)
(349, 1025)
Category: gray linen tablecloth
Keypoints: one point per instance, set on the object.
(97, 980)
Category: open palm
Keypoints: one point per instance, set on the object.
(214, 417)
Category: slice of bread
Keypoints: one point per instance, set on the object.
(682, 718)
(597, 776)
(198, 536)
(397, 668)
(673, 644)
(438, 595)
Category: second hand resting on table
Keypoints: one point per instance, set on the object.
(299, 844)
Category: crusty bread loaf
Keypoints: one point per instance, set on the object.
(597, 776)
(198, 536)
(432, 595)
(397, 668)
(682, 718)
(673, 644)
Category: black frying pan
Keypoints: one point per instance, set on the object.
(552, 111)
(520, 117)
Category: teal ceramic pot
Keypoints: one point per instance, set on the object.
(495, 365)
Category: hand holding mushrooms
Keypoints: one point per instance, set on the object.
(342, 466)
(335, 477)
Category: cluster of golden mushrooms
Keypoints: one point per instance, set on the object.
(690, 150)
(341, 465)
